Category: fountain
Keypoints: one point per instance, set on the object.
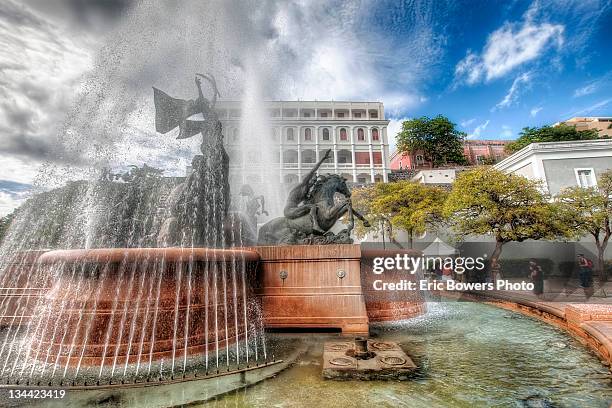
(111, 315)
(109, 287)
(193, 302)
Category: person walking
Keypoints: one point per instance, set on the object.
(585, 269)
(537, 277)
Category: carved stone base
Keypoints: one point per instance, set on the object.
(366, 360)
(312, 286)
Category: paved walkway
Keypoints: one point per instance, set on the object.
(586, 316)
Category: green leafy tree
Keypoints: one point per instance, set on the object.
(361, 199)
(559, 133)
(404, 205)
(438, 139)
(511, 208)
(589, 211)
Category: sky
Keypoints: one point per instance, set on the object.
(76, 75)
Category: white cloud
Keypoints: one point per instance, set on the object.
(534, 111)
(594, 86)
(514, 90)
(8, 202)
(475, 134)
(469, 69)
(299, 47)
(18, 169)
(585, 90)
(394, 127)
(589, 109)
(318, 58)
(509, 47)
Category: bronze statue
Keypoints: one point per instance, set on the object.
(296, 201)
(310, 216)
(198, 206)
(255, 204)
(171, 112)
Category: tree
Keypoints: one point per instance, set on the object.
(560, 133)
(589, 211)
(438, 139)
(362, 198)
(507, 206)
(140, 173)
(404, 205)
(5, 223)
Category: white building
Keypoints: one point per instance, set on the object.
(436, 176)
(300, 132)
(561, 165)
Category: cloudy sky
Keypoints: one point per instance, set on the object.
(76, 75)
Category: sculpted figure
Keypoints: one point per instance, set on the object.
(313, 208)
(198, 206)
(296, 206)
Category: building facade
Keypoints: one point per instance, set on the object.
(602, 124)
(298, 133)
(479, 152)
(560, 165)
(476, 152)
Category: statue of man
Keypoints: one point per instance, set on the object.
(296, 206)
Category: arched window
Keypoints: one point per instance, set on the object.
(325, 134)
(290, 134)
(375, 134)
(360, 135)
(307, 134)
(343, 134)
(235, 134)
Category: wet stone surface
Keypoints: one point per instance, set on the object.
(363, 359)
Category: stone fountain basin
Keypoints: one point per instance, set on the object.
(389, 306)
(109, 306)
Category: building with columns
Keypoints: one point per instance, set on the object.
(299, 133)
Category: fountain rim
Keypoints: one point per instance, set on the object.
(170, 254)
(139, 384)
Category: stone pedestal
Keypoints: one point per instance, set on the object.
(377, 360)
(312, 286)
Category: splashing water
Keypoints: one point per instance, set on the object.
(108, 309)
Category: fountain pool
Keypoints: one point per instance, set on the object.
(469, 355)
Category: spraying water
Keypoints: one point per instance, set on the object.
(110, 305)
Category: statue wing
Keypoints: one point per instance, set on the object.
(171, 112)
(189, 128)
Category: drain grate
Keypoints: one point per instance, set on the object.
(393, 360)
(342, 361)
